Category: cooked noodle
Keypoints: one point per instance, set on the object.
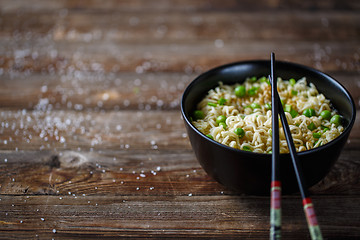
(251, 112)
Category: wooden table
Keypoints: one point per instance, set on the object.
(92, 144)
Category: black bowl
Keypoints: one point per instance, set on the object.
(248, 172)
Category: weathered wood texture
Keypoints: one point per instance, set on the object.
(92, 144)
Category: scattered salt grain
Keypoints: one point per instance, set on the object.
(219, 43)
(54, 230)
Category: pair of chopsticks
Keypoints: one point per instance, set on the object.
(275, 210)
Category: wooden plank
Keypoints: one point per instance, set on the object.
(128, 172)
(38, 130)
(142, 57)
(92, 144)
(82, 90)
(90, 130)
(177, 217)
(179, 5)
(127, 26)
(136, 172)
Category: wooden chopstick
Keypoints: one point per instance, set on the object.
(275, 191)
(308, 206)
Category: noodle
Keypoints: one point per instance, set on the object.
(239, 115)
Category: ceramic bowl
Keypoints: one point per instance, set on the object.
(248, 172)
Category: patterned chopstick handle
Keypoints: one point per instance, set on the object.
(313, 225)
(275, 211)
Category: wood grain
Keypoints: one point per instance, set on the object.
(114, 91)
(109, 25)
(221, 217)
(92, 143)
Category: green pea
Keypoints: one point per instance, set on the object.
(211, 104)
(253, 79)
(240, 91)
(311, 126)
(220, 119)
(292, 81)
(198, 114)
(263, 79)
(255, 105)
(210, 136)
(309, 112)
(324, 128)
(336, 119)
(240, 132)
(247, 148)
(222, 101)
(326, 114)
(223, 125)
(317, 135)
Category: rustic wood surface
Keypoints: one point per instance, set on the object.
(92, 144)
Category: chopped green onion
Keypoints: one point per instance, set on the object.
(316, 135)
(311, 126)
(252, 91)
(293, 113)
(247, 148)
(222, 101)
(210, 136)
(294, 92)
(267, 106)
(263, 79)
(211, 104)
(324, 128)
(287, 108)
(309, 112)
(198, 114)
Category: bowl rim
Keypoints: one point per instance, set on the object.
(247, 62)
